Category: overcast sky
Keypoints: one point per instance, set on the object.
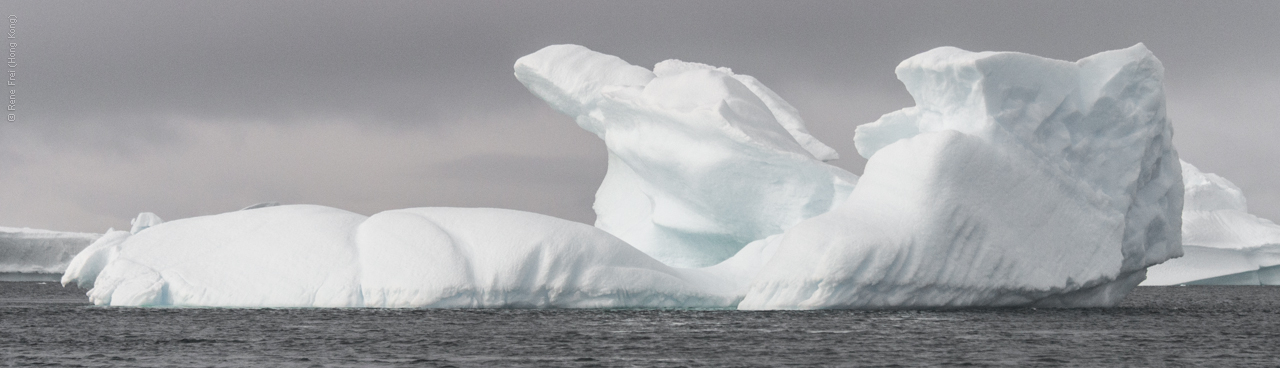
(194, 108)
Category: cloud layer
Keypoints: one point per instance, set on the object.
(186, 109)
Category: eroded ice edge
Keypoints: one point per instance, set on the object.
(1015, 180)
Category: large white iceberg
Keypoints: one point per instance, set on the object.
(31, 254)
(702, 161)
(1223, 243)
(1016, 180)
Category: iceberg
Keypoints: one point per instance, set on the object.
(1015, 180)
(31, 254)
(315, 256)
(702, 161)
(1223, 243)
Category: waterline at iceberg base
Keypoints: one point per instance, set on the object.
(1015, 180)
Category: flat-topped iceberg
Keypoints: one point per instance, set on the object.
(1224, 244)
(1016, 180)
(32, 254)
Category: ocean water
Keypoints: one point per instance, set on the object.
(43, 324)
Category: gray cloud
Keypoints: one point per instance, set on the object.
(190, 108)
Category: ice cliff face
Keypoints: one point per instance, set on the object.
(30, 253)
(702, 161)
(1224, 244)
(1015, 180)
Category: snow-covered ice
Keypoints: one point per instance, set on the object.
(84, 268)
(144, 221)
(702, 161)
(1224, 244)
(480, 257)
(315, 256)
(1015, 180)
(38, 254)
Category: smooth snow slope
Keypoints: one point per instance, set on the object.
(1015, 180)
(702, 161)
(315, 256)
(39, 254)
(1224, 244)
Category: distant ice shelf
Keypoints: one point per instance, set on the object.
(38, 255)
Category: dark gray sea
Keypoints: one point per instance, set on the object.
(43, 324)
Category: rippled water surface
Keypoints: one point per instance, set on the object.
(44, 324)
